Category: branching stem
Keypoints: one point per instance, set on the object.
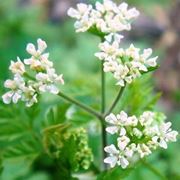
(115, 101)
(82, 106)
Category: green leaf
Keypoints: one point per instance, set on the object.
(139, 96)
(56, 114)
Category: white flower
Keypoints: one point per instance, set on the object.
(137, 136)
(152, 62)
(109, 51)
(82, 10)
(146, 118)
(165, 135)
(143, 150)
(110, 66)
(26, 87)
(111, 118)
(113, 158)
(133, 52)
(132, 121)
(107, 17)
(15, 93)
(123, 162)
(13, 96)
(17, 67)
(83, 25)
(116, 125)
(123, 142)
(117, 157)
(47, 81)
(29, 96)
(125, 64)
(128, 14)
(31, 49)
(122, 118)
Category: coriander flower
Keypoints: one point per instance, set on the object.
(118, 156)
(27, 87)
(16, 85)
(165, 135)
(31, 49)
(125, 64)
(47, 81)
(136, 136)
(17, 67)
(106, 17)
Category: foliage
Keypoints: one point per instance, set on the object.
(26, 149)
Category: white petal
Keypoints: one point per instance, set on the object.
(41, 45)
(128, 152)
(16, 97)
(152, 62)
(73, 13)
(53, 89)
(60, 79)
(111, 160)
(124, 162)
(122, 131)
(147, 53)
(111, 118)
(132, 13)
(28, 61)
(7, 97)
(42, 77)
(31, 49)
(111, 149)
(109, 37)
(9, 84)
(171, 136)
(143, 68)
(100, 7)
(122, 142)
(163, 143)
(43, 88)
(123, 6)
(112, 129)
(165, 127)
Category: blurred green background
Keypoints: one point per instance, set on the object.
(23, 21)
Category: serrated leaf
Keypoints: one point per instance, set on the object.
(56, 114)
(28, 149)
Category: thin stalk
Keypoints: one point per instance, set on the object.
(115, 101)
(154, 170)
(103, 106)
(103, 103)
(82, 106)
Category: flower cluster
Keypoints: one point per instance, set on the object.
(26, 87)
(137, 136)
(125, 64)
(106, 17)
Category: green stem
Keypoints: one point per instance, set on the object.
(115, 101)
(82, 106)
(103, 106)
(154, 170)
